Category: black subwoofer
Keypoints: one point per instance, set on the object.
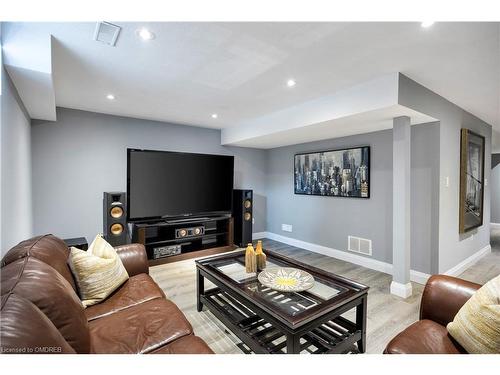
(243, 216)
(115, 218)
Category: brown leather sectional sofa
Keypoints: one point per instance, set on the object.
(41, 311)
(443, 296)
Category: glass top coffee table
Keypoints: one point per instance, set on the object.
(270, 321)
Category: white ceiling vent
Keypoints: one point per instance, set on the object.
(359, 245)
(107, 33)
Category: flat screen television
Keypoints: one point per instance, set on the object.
(164, 184)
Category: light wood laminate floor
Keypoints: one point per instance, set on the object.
(387, 314)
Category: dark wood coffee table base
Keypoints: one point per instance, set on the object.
(261, 332)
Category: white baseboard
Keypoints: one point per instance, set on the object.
(495, 225)
(259, 235)
(334, 253)
(466, 263)
(377, 265)
(419, 277)
(401, 290)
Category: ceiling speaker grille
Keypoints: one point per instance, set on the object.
(106, 33)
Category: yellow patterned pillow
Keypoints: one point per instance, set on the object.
(477, 325)
(98, 271)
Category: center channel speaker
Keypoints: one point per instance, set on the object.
(243, 215)
(189, 232)
(115, 218)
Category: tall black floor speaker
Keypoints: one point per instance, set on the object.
(115, 218)
(243, 215)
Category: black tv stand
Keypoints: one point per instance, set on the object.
(217, 237)
(187, 220)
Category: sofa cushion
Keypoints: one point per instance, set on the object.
(135, 290)
(139, 329)
(47, 248)
(98, 271)
(185, 345)
(42, 285)
(477, 325)
(423, 337)
(25, 329)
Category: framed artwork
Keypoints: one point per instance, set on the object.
(335, 173)
(471, 180)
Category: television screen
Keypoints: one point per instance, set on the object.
(173, 184)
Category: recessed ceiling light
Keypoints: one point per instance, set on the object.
(145, 34)
(291, 83)
(215, 115)
(427, 24)
(110, 97)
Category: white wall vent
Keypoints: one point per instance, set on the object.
(359, 245)
(106, 33)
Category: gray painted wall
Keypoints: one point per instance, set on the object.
(495, 188)
(2, 78)
(83, 154)
(327, 221)
(425, 197)
(453, 247)
(16, 222)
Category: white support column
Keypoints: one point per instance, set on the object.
(401, 172)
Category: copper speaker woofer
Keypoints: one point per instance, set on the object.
(248, 203)
(116, 229)
(116, 212)
(247, 216)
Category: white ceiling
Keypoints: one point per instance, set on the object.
(239, 70)
(362, 108)
(28, 59)
(362, 122)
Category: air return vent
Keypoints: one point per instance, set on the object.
(360, 245)
(106, 33)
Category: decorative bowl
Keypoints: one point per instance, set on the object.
(286, 279)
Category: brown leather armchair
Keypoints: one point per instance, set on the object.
(443, 296)
(42, 313)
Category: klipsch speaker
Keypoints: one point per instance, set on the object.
(243, 215)
(115, 218)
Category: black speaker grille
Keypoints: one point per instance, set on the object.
(115, 229)
(242, 214)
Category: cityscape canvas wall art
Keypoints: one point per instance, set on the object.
(336, 173)
(471, 181)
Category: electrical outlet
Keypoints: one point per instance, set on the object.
(447, 181)
(253, 220)
(286, 227)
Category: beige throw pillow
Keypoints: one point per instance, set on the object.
(98, 271)
(477, 325)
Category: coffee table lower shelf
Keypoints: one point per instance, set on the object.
(338, 335)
